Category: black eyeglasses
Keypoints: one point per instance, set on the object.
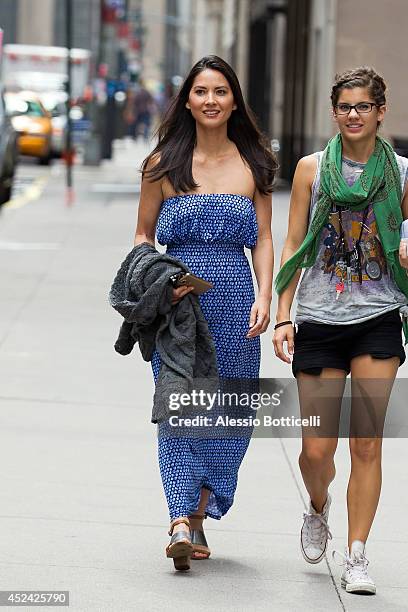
(360, 108)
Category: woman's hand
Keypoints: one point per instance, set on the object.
(259, 318)
(179, 293)
(286, 333)
(403, 254)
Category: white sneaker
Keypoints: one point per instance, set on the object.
(355, 578)
(315, 533)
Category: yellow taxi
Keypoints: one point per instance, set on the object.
(33, 124)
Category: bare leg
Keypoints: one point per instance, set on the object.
(369, 376)
(321, 396)
(198, 523)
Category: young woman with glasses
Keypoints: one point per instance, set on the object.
(347, 207)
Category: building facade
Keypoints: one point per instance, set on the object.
(8, 20)
(278, 74)
(196, 28)
(266, 41)
(296, 48)
(374, 35)
(86, 30)
(285, 52)
(23, 23)
(153, 30)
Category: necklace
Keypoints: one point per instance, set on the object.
(345, 257)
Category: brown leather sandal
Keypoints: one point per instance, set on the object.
(180, 547)
(199, 540)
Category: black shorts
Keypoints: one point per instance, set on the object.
(321, 345)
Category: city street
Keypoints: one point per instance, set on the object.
(82, 507)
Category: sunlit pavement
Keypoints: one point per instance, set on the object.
(82, 507)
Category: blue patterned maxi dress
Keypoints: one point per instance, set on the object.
(208, 232)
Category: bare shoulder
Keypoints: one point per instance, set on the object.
(151, 161)
(151, 183)
(306, 169)
(301, 190)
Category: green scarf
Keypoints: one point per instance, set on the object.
(379, 184)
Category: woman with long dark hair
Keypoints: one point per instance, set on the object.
(347, 206)
(206, 194)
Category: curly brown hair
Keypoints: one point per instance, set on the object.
(363, 76)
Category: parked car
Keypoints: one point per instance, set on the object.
(32, 123)
(8, 153)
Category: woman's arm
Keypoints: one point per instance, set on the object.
(297, 229)
(403, 250)
(262, 258)
(151, 197)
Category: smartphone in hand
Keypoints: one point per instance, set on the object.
(186, 278)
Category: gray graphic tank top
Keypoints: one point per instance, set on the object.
(377, 293)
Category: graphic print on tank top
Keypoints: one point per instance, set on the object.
(361, 240)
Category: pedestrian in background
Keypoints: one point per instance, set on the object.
(346, 210)
(206, 193)
(139, 111)
(164, 97)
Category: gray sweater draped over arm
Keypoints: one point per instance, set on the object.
(141, 292)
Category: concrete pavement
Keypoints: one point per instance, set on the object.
(82, 507)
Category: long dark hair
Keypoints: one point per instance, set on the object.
(177, 136)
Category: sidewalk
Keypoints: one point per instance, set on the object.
(82, 506)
